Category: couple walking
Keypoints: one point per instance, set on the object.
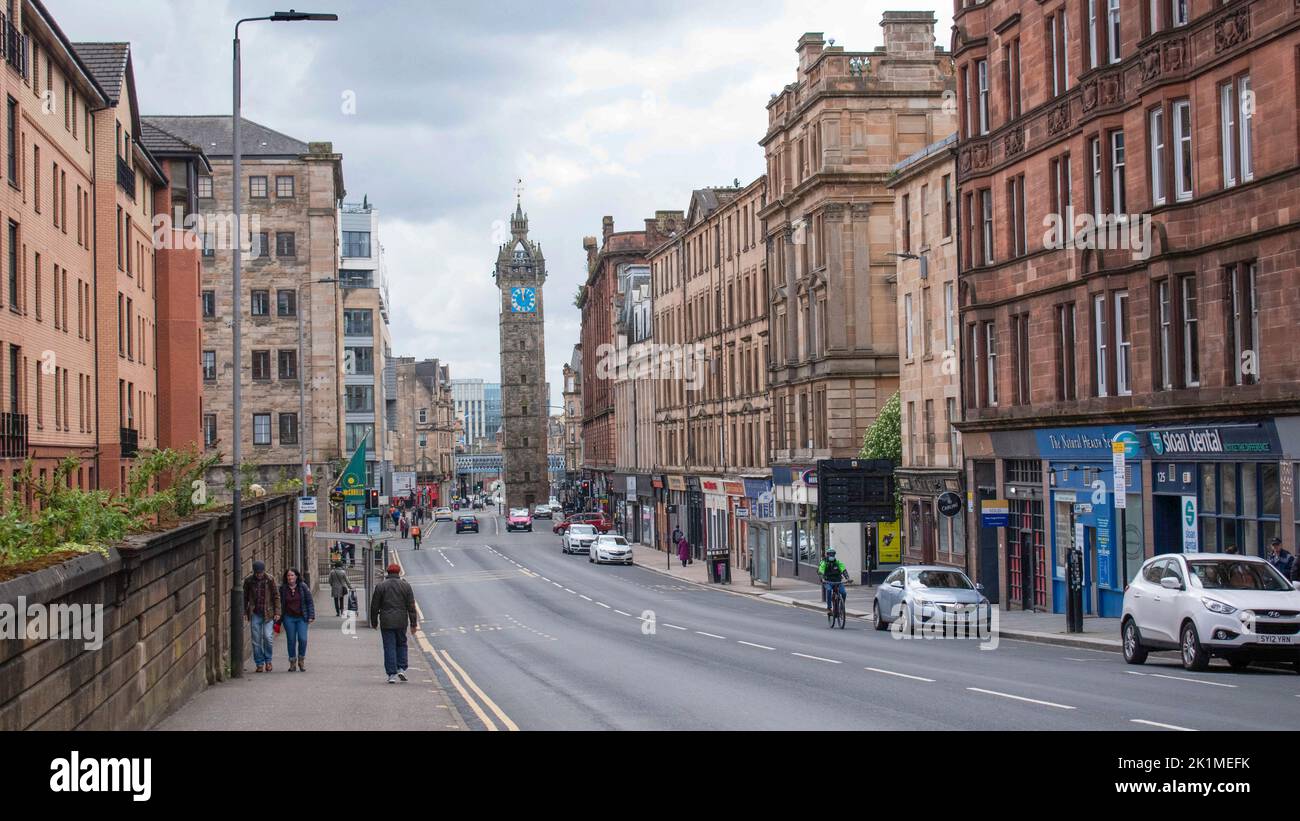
(268, 609)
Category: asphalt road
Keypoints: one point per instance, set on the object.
(526, 637)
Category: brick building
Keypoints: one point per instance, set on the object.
(634, 406)
(291, 193)
(924, 187)
(1168, 333)
(834, 135)
(424, 437)
(711, 420)
(572, 396)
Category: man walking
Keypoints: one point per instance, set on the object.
(340, 586)
(262, 610)
(392, 610)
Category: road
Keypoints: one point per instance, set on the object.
(528, 638)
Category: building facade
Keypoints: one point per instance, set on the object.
(572, 398)
(520, 274)
(424, 439)
(290, 197)
(368, 379)
(711, 414)
(833, 136)
(1164, 334)
(924, 187)
(634, 406)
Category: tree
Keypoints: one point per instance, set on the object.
(884, 439)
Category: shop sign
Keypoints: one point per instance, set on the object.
(1190, 543)
(676, 483)
(949, 503)
(994, 512)
(1214, 441)
(733, 488)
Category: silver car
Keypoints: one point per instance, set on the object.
(929, 594)
(610, 547)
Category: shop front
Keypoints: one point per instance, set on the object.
(934, 537)
(640, 502)
(694, 523)
(715, 514)
(797, 534)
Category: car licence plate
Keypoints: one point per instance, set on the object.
(1275, 639)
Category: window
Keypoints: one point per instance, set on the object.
(1092, 33)
(972, 353)
(952, 431)
(262, 427)
(286, 303)
(1018, 228)
(358, 322)
(209, 430)
(991, 363)
(1100, 348)
(1236, 115)
(1244, 314)
(11, 127)
(289, 427)
(1117, 183)
(1191, 333)
(261, 364)
(1020, 332)
(1183, 150)
(986, 207)
(262, 248)
(359, 361)
(1096, 204)
(14, 303)
(925, 214)
(927, 325)
(283, 186)
(1156, 130)
(424, 415)
(907, 223)
(205, 193)
(209, 304)
(950, 317)
(1112, 31)
(359, 398)
(356, 244)
(982, 74)
(1066, 383)
(1122, 345)
(1164, 336)
(287, 364)
(284, 244)
(1178, 12)
(947, 205)
(911, 434)
(261, 303)
(210, 366)
(907, 325)
(257, 191)
(356, 432)
(1239, 506)
(1058, 38)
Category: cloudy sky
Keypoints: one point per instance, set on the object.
(600, 108)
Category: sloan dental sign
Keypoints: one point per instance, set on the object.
(1214, 441)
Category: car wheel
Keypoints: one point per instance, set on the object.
(590, 558)
(1194, 656)
(876, 620)
(1134, 652)
(905, 619)
(1240, 662)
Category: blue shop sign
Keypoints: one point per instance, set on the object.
(1233, 441)
(1087, 443)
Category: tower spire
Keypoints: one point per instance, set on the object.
(519, 222)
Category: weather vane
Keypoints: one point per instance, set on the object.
(519, 189)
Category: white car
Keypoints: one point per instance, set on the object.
(442, 514)
(1211, 604)
(610, 547)
(578, 539)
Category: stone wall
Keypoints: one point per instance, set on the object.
(166, 626)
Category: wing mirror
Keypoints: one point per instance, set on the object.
(896, 583)
(979, 587)
(1171, 583)
(1295, 585)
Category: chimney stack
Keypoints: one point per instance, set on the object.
(606, 227)
(809, 49)
(909, 35)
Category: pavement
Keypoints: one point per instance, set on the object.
(1020, 625)
(344, 687)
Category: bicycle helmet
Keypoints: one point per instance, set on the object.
(830, 552)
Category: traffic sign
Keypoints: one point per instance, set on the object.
(307, 511)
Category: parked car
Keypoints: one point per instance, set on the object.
(519, 520)
(1239, 608)
(442, 514)
(923, 594)
(596, 520)
(466, 523)
(578, 539)
(610, 547)
(542, 512)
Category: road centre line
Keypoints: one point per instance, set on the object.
(900, 675)
(1020, 698)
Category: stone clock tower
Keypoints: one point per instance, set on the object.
(520, 273)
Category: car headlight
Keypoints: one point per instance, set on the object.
(1216, 606)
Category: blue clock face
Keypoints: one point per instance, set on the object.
(523, 300)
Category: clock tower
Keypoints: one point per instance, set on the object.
(520, 272)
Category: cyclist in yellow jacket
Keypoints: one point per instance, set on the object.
(832, 572)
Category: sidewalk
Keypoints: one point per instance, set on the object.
(344, 688)
(1046, 628)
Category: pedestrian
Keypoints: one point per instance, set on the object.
(350, 550)
(1280, 557)
(396, 514)
(683, 550)
(415, 536)
(676, 537)
(297, 611)
(340, 586)
(392, 610)
(262, 610)
(405, 525)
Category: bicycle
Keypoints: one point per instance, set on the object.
(836, 612)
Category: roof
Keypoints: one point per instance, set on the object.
(704, 201)
(162, 143)
(947, 142)
(213, 134)
(106, 63)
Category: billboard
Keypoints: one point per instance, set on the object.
(403, 482)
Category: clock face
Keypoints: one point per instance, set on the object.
(523, 300)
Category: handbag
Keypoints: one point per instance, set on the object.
(352, 600)
(277, 628)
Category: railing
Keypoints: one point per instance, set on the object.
(13, 435)
(14, 44)
(130, 442)
(126, 177)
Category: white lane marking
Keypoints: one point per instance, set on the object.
(675, 627)
(900, 675)
(557, 584)
(1164, 726)
(1068, 658)
(816, 658)
(602, 604)
(621, 613)
(710, 635)
(1180, 678)
(567, 590)
(545, 579)
(444, 558)
(752, 644)
(1020, 698)
(581, 596)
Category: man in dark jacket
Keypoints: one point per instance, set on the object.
(392, 610)
(1281, 558)
(261, 609)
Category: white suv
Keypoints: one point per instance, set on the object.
(578, 538)
(1211, 604)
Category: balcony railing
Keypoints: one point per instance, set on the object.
(13, 435)
(14, 44)
(130, 442)
(126, 177)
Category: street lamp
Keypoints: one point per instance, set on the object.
(236, 583)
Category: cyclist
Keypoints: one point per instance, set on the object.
(832, 572)
(415, 536)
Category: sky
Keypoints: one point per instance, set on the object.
(438, 108)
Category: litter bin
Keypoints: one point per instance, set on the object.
(719, 560)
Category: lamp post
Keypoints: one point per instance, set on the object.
(236, 583)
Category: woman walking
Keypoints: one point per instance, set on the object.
(683, 550)
(340, 586)
(297, 611)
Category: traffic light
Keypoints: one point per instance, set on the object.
(372, 498)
